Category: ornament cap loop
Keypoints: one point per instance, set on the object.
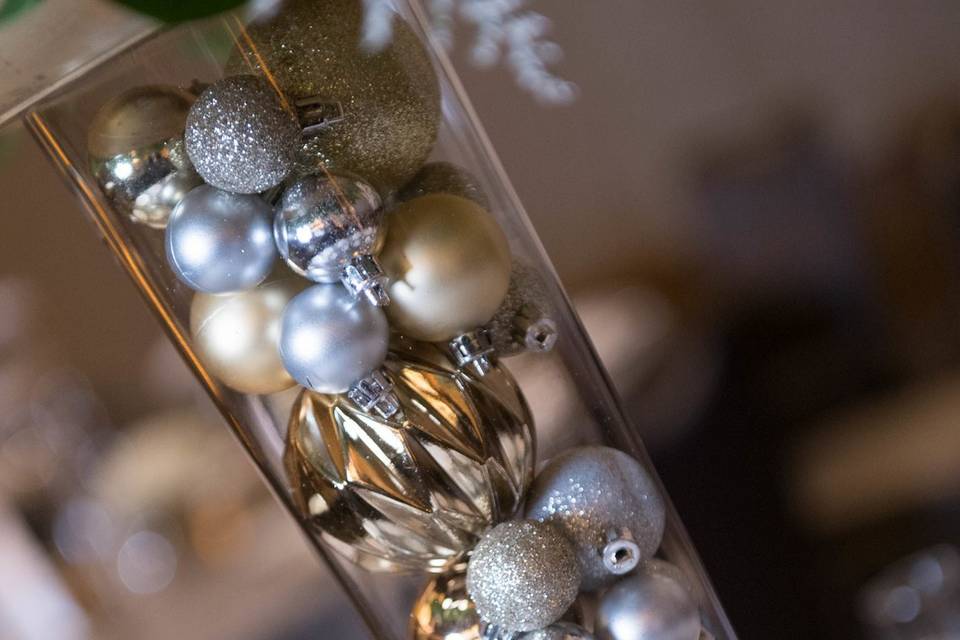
(316, 114)
(375, 392)
(473, 349)
(621, 554)
(535, 330)
(363, 276)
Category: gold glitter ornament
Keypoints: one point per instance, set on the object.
(415, 491)
(390, 99)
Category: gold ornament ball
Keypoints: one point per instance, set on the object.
(415, 491)
(444, 611)
(390, 98)
(237, 335)
(449, 266)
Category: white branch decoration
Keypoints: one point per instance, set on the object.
(504, 30)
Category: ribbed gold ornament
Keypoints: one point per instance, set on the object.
(412, 493)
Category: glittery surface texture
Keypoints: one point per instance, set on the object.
(390, 99)
(523, 575)
(444, 177)
(240, 136)
(590, 491)
(526, 288)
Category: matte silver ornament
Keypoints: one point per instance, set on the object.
(135, 143)
(325, 223)
(330, 340)
(650, 605)
(523, 575)
(607, 504)
(220, 242)
(241, 135)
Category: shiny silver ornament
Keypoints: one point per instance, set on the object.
(650, 605)
(557, 631)
(414, 491)
(325, 223)
(607, 504)
(444, 177)
(135, 143)
(241, 135)
(330, 340)
(220, 242)
(523, 575)
(522, 323)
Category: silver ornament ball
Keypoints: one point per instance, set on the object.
(323, 222)
(329, 340)
(607, 504)
(558, 631)
(135, 142)
(241, 135)
(650, 605)
(523, 576)
(220, 242)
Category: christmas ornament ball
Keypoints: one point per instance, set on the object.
(444, 611)
(523, 575)
(322, 222)
(390, 98)
(444, 177)
(241, 135)
(650, 605)
(558, 631)
(606, 503)
(237, 335)
(414, 491)
(449, 266)
(330, 340)
(220, 242)
(135, 143)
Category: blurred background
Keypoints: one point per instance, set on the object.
(771, 275)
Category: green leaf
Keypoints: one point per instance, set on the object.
(180, 10)
(9, 9)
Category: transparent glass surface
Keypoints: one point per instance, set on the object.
(568, 393)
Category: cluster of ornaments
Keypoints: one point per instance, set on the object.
(324, 251)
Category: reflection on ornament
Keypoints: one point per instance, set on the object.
(237, 335)
(651, 605)
(449, 267)
(414, 492)
(220, 242)
(444, 611)
(522, 323)
(390, 99)
(557, 631)
(326, 226)
(607, 505)
(444, 177)
(241, 136)
(135, 143)
(523, 575)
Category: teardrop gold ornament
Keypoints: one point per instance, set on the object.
(413, 492)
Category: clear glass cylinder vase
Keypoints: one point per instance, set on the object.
(486, 404)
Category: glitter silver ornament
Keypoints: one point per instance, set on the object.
(323, 223)
(390, 99)
(522, 322)
(329, 340)
(135, 142)
(241, 135)
(607, 504)
(444, 177)
(650, 605)
(220, 242)
(523, 575)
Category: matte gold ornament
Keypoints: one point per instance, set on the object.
(237, 334)
(415, 491)
(448, 263)
(135, 142)
(387, 103)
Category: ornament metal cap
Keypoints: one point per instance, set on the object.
(363, 276)
(621, 554)
(316, 114)
(375, 392)
(535, 330)
(473, 349)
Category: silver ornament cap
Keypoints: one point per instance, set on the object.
(220, 242)
(607, 504)
(241, 135)
(523, 576)
(323, 222)
(330, 340)
(653, 604)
